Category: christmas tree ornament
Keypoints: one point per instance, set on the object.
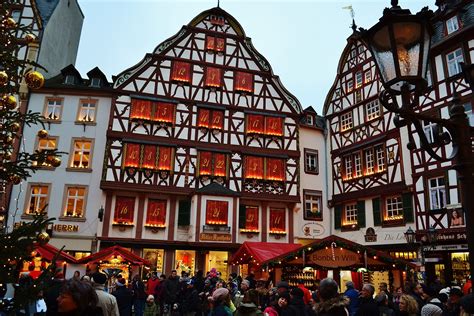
(55, 162)
(16, 179)
(30, 37)
(43, 238)
(42, 133)
(3, 78)
(15, 127)
(7, 156)
(9, 101)
(34, 80)
(10, 22)
(8, 140)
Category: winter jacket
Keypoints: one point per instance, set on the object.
(124, 300)
(353, 296)
(270, 311)
(138, 290)
(171, 290)
(367, 307)
(220, 310)
(151, 284)
(333, 307)
(107, 301)
(248, 309)
(307, 293)
(151, 309)
(190, 301)
(297, 304)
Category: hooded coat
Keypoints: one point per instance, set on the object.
(333, 307)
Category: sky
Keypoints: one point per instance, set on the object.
(302, 40)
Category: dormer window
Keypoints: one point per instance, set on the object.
(309, 120)
(452, 25)
(69, 79)
(95, 82)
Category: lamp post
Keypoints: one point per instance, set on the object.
(427, 241)
(400, 44)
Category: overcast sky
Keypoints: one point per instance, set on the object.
(302, 40)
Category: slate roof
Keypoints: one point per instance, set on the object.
(216, 189)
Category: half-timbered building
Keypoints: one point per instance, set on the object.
(202, 150)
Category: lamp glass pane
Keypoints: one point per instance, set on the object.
(407, 38)
(382, 49)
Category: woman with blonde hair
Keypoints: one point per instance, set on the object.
(408, 306)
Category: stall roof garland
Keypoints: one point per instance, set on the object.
(342, 243)
(112, 252)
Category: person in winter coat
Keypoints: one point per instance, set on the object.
(353, 295)
(408, 306)
(306, 292)
(297, 302)
(221, 301)
(331, 302)
(124, 298)
(78, 298)
(367, 305)
(382, 300)
(152, 283)
(139, 295)
(190, 303)
(151, 309)
(171, 288)
(249, 307)
(107, 302)
(280, 307)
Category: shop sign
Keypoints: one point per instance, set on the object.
(370, 235)
(215, 237)
(333, 257)
(452, 236)
(448, 248)
(313, 230)
(66, 228)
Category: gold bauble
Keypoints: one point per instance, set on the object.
(42, 133)
(9, 101)
(43, 238)
(8, 140)
(55, 162)
(10, 22)
(30, 37)
(15, 127)
(7, 155)
(16, 179)
(3, 78)
(34, 80)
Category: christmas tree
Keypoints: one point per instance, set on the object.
(16, 165)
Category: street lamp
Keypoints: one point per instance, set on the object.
(400, 44)
(427, 242)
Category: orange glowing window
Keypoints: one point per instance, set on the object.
(213, 77)
(243, 81)
(141, 109)
(156, 213)
(216, 44)
(254, 167)
(131, 155)
(149, 157)
(165, 158)
(274, 126)
(213, 119)
(255, 124)
(275, 170)
(277, 221)
(164, 112)
(217, 212)
(181, 72)
(212, 164)
(124, 209)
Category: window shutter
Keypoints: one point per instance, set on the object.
(184, 213)
(407, 207)
(242, 217)
(337, 216)
(361, 214)
(376, 210)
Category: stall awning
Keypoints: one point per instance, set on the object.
(262, 252)
(48, 252)
(117, 253)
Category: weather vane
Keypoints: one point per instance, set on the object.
(349, 7)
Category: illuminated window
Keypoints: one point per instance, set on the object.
(38, 199)
(243, 81)
(213, 77)
(181, 72)
(368, 76)
(261, 168)
(348, 167)
(350, 85)
(369, 161)
(311, 161)
(346, 121)
(380, 156)
(372, 110)
(267, 125)
(357, 165)
(49, 143)
(248, 219)
(437, 191)
(75, 202)
(212, 164)
(393, 208)
(213, 119)
(452, 25)
(87, 111)
(215, 44)
(53, 109)
(81, 156)
(313, 205)
(453, 60)
(350, 214)
(359, 79)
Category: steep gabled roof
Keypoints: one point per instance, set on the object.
(217, 189)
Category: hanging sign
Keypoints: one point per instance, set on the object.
(333, 257)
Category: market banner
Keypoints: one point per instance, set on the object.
(124, 209)
(277, 220)
(156, 212)
(254, 167)
(203, 118)
(213, 77)
(251, 217)
(131, 155)
(217, 120)
(274, 125)
(275, 169)
(165, 158)
(140, 109)
(255, 124)
(164, 112)
(149, 157)
(205, 166)
(220, 165)
(243, 81)
(216, 212)
(181, 71)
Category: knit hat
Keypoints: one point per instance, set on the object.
(222, 291)
(467, 303)
(246, 282)
(431, 310)
(455, 291)
(99, 278)
(120, 282)
(150, 298)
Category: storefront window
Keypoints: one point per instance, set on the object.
(460, 262)
(185, 261)
(155, 256)
(439, 271)
(218, 260)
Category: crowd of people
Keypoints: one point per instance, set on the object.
(210, 295)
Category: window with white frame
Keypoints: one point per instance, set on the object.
(369, 161)
(353, 53)
(75, 202)
(452, 60)
(350, 214)
(359, 79)
(437, 193)
(38, 199)
(452, 24)
(431, 131)
(360, 49)
(393, 208)
(368, 76)
(357, 165)
(469, 113)
(350, 85)
(311, 161)
(372, 110)
(48, 143)
(380, 156)
(346, 121)
(348, 167)
(87, 111)
(312, 205)
(81, 156)
(95, 82)
(53, 109)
